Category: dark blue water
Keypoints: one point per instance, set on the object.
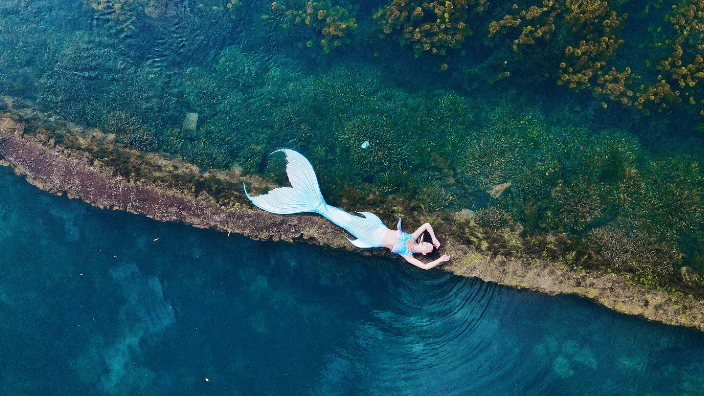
(108, 303)
(101, 302)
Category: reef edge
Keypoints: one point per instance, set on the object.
(70, 167)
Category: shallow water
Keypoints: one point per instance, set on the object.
(101, 302)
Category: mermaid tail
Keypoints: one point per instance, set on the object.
(369, 230)
(304, 196)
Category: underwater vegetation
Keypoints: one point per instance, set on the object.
(684, 66)
(431, 27)
(318, 18)
(575, 43)
(579, 42)
(579, 36)
(601, 170)
(123, 13)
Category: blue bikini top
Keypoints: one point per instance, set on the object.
(400, 246)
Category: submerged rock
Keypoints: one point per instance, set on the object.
(190, 123)
(498, 189)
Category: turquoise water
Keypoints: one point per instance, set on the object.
(101, 302)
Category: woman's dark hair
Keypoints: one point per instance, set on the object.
(425, 237)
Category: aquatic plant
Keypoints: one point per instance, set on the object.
(330, 23)
(681, 71)
(544, 23)
(129, 131)
(627, 247)
(215, 7)
(124, 13)
(410, 142)
(579, 36)
(203, 26)
(24, 52)
(670, 206)
(121, 12)
(84, 64)
(431, 27)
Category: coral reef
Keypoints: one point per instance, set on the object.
(431, 27)
(80, 166)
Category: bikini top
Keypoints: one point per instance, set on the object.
(400, 246)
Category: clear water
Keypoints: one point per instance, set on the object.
(101, 302)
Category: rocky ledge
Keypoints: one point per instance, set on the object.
(86, 164)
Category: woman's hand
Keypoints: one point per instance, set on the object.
(425, 266)
(433, 264)
(436, 243)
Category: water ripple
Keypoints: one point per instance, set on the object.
(440, 331)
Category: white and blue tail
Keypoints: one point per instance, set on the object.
(304, 196)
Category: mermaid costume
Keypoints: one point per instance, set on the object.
(304, 196)
(400, 246)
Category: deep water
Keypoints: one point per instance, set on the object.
(101, 302)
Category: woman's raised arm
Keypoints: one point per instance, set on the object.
(429, 228)
(425, 266)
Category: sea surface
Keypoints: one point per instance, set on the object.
(98, 302)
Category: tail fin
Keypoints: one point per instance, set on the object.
(366, 230)
(303, 195)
